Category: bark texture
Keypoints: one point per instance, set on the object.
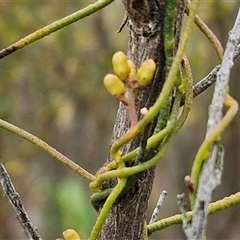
(146, 23)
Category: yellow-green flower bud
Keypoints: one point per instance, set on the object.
(146, 71)
(114, 85)
(120, 65)
(71, 234)
(133, 73)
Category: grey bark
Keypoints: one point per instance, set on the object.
(145, 22)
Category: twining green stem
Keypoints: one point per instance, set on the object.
(203, 151)
(188, 82)
(160, 132)
(214, 207)
(167, 87)
(170, 129)
(211, 37)
(129, 171)
(53, 27)
(156, 138)
(209, 34)
(169, 38)
(153, 111)
(145, 232)
(106, 208)
(45, 147)
(151, 143)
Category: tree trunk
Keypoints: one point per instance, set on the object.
(146, 24)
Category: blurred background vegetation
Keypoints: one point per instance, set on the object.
(53, 89)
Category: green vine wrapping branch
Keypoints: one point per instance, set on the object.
(111, 170)
(135, 130)
(165, 130)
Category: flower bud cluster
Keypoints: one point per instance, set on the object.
(126, 78)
